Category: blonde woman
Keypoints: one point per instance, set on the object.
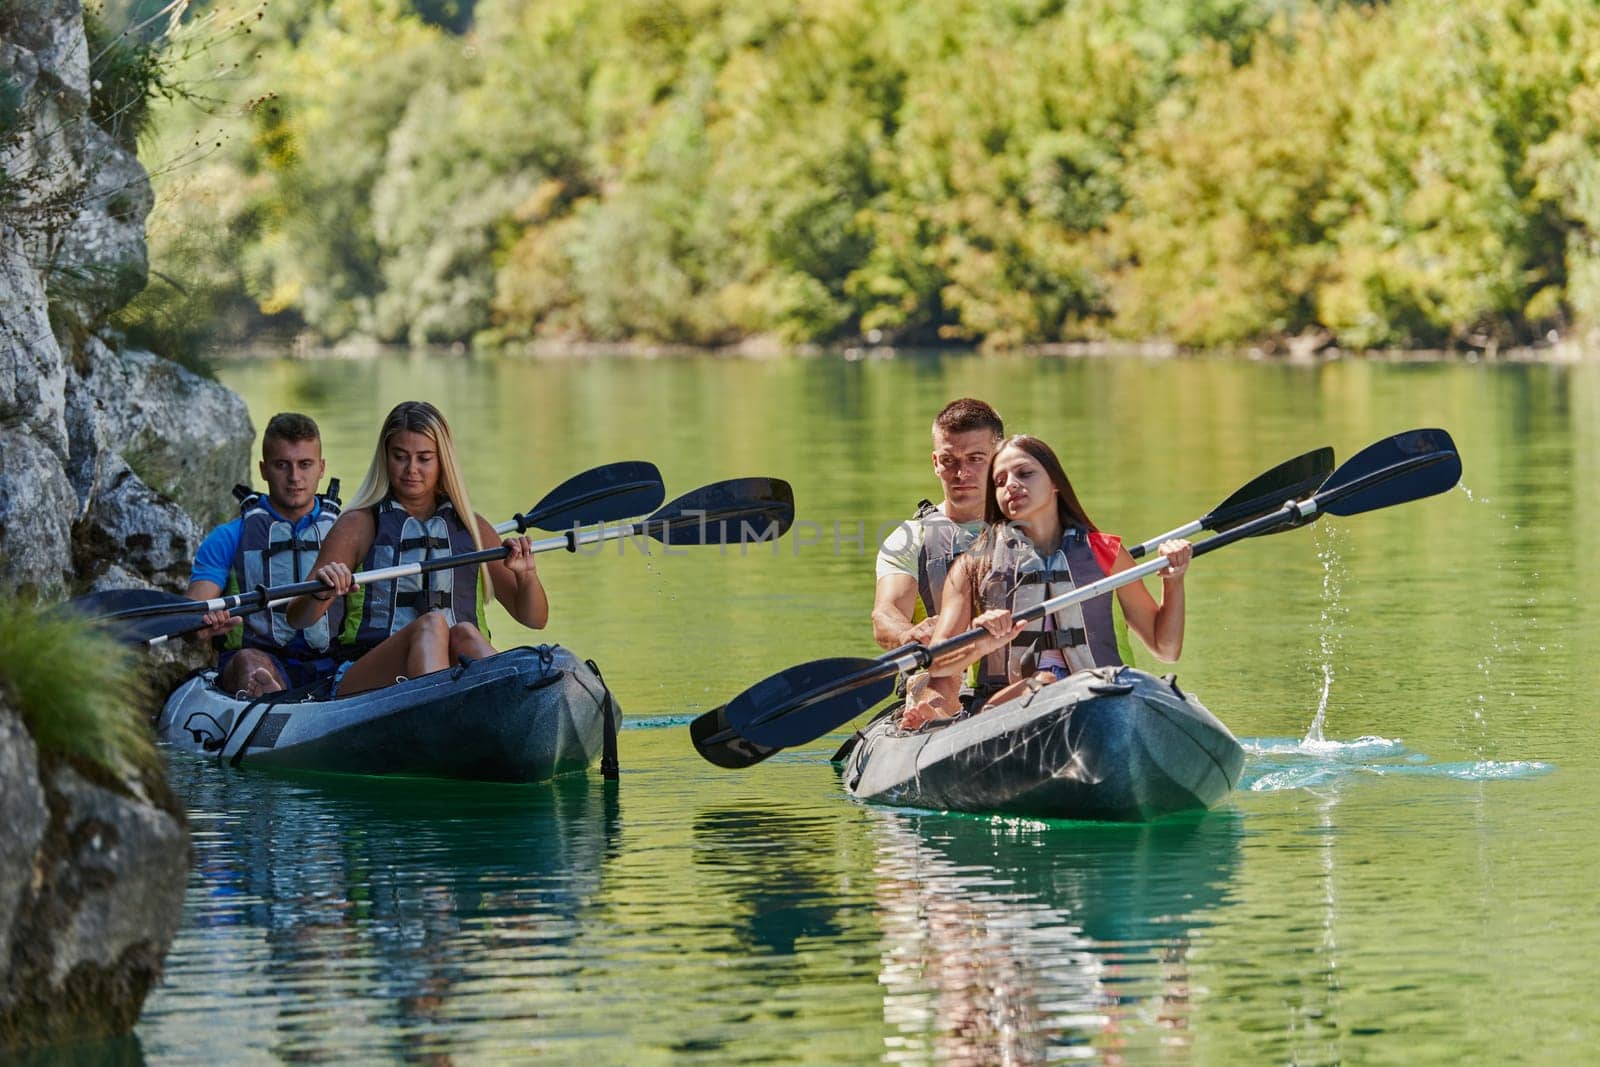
(413, 506)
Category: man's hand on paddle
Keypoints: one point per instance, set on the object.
(217, 623)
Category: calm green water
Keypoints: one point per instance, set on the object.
(1414, 888)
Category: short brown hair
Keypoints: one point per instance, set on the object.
(966, 415)
(290, 426)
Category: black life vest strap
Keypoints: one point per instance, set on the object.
(422, 600)
(425, 541)
(295, 544)
(1040, 577)
(1070, 637)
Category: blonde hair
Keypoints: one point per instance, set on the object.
(419, 416)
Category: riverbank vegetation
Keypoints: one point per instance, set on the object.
(1214, 172)
(74, 686)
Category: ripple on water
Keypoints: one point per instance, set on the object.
(1279, 763)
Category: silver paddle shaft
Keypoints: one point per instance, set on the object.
(1188, 530)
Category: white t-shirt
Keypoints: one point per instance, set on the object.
(899, 551)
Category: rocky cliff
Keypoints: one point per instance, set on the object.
(112, 463)
(92, 871)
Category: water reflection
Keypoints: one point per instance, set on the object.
(781, 887)
(1009, 941)
(407, 908)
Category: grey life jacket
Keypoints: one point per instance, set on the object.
(942, 541)
(272, 552)
(388, 606)
(1018, 579)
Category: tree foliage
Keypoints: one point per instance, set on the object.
(1212, 172)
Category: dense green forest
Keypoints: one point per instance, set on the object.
(1211, 172)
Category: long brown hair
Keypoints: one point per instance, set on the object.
(1068, 509)
(419, 416)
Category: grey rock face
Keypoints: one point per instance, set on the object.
(23, 818)
(110, 461)
(186, 438)
(128, 522)
(36, 509)
(117, 846)
(152, 446)
(52, 31)
(101, 262)
(91, 895)
(147, 449)
(33, 376)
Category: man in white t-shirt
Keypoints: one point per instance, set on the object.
(914, 559)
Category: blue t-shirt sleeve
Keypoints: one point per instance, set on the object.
(215, 558)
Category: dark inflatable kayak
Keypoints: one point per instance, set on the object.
(1113, 744)
(523, 715)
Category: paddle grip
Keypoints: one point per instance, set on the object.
(1139, 551)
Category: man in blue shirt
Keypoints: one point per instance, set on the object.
(273, 542)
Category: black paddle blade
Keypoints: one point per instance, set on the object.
(134, 616)
(102, 607)
(1290, 480)
(141, 631)
(733, 512)
(802, 703)
(718, 742)
(1396, 470)
(112, 601)
(610, 493)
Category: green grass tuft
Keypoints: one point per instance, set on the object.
(75, 687)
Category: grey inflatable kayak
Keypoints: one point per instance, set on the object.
(1113, 744)
(523, 715)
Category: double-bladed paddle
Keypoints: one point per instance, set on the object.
(604, 494)
(1266, 492)
(803, 703)
(610, 493)
(735, 511)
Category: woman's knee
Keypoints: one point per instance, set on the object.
(430, 626)
(467, 640)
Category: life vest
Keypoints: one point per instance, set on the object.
(274, 551)
(942, 542)
(379, 609)
(1017, 578)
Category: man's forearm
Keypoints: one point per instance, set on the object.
(890, 628)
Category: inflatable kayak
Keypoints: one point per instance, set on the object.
(1112, 744)
(523, 715)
